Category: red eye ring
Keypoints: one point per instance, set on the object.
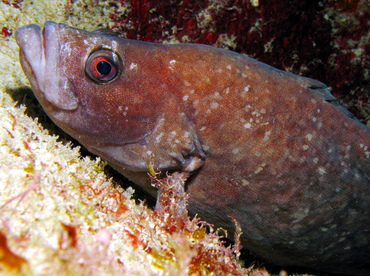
(102, 66)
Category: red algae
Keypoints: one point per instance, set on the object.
(347, 5)
(6, 32)
(14, 3)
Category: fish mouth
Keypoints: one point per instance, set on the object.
(40, 58)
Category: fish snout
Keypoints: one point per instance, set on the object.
(40, 58)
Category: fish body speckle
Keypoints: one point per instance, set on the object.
(267, 147)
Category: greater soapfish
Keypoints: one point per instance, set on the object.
(269, 148)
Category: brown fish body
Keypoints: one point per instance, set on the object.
(267, 147)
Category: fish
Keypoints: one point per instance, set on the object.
(268, 148)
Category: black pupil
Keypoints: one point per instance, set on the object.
(104, 67)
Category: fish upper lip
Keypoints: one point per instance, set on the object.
(27, 35)
(41, 49)
(30, 41)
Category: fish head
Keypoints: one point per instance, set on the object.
(89, 85)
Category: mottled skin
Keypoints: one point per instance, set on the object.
(270, 148)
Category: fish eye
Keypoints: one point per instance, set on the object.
(102, 66)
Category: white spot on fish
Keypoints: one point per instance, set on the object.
(214, 105)
(322, 170)
(258, 170)
(158, 138)
(267, 135)
(205, 147)
(316, 160)
(185, 98)
(342, 239)
(133, 66)
(217, 95)
(235, 151)
(247, 125)
(255, 113)
(186, 83)
(309, 137)
(172, 63)
(245, 182)
(247, 107)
